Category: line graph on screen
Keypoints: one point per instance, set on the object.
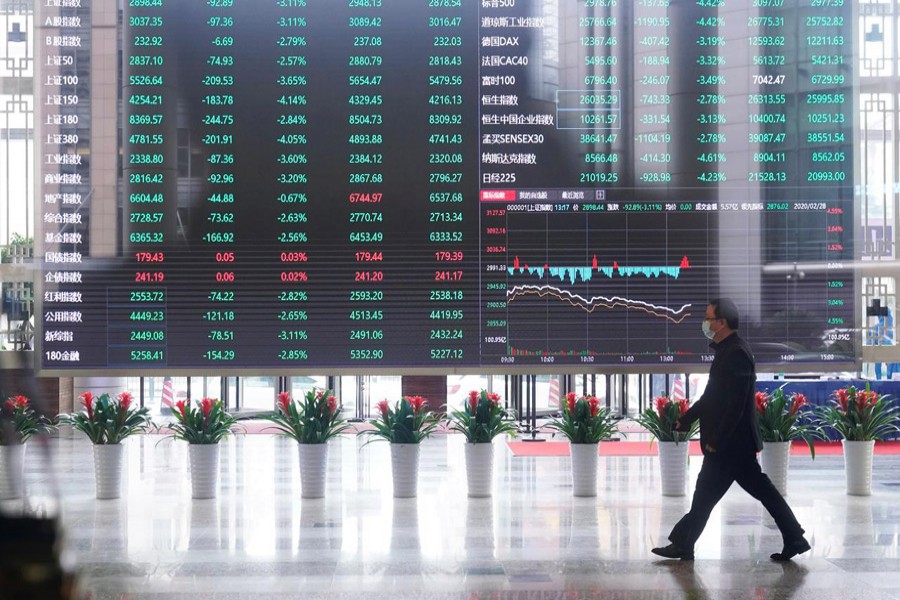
(582, 284)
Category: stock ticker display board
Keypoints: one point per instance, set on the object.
(481, 185)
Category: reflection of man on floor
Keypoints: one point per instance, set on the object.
(883, 335)
(788, 583)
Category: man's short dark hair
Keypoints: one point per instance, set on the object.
(728, 310)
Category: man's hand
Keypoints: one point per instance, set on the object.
(710, 449)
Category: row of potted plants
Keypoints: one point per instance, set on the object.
(858, 415)
(311, 421)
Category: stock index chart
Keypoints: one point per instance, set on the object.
(451, 186)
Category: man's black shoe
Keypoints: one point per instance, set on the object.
(792, 549)
(674, 551)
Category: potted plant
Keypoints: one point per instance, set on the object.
(107, 422)
(861, 417)
(18, 423)
(310, 422)
(673, 445)
(202, 425)
(481, 419)
(404, 425)
(585, 423)
(781, 420)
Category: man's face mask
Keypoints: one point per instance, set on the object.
(707, 329)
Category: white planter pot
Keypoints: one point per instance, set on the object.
(858, 466)
(204, 470)
(774, 460)
(584, 469)
(479, 469)
(405, 469)
(12, 471)
(108, 460)
(313, 470)
(673, 463)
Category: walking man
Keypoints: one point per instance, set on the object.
(730, 440)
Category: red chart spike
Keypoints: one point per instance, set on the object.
(684, 263)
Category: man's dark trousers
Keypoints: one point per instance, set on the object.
(716, 476)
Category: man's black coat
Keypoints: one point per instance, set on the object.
(727, 408)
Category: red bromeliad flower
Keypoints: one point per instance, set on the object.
(206, 405)
(18, 422)
(473, 401)
(659, 418)
(312, 418)
(594, 403)
(284, 402)
(584, 420)
(798, 402)
(781, 417)
(181, 405)
(866, 398)
(16, 403)
(87, 400)
(125, 400)
(481, 418)
(107, 419)
(861, 415)
(417, 402)
(383, 407)
(661, 403)
(843, 398)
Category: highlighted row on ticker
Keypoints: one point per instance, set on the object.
(543, 195)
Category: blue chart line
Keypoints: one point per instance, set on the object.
(587, 273)
(676, 315)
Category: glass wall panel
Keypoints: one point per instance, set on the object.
(258, 393)
(300, 384)
(459, 386)
(381, 387)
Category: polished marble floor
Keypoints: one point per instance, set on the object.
(531, 540)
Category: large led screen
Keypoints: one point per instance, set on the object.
(448, 185)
